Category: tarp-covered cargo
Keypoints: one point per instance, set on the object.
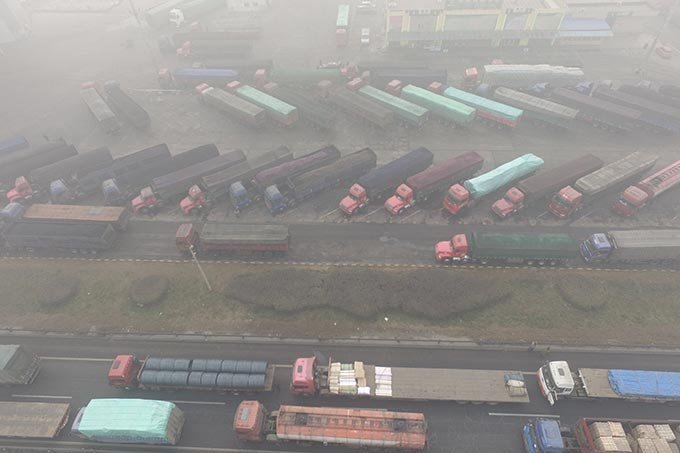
(524, 75)
(362, 107)
(304, 76)
(309, 108)
(215, 232)
(546, 182)
(80, 164)
(19, 163)
(484, 105)
(57, 235)
(124, 103)
(130, 421)
(663, 385)
(546, 109)
(32, 420)
(523, 245)
(18, 365)
(500, 176)
(442, 106)
(652, 245)
(447, 171)
(281, 111)
(234, 106)
(384, 178)
(408, 111)
(615, 173)
(278, 174)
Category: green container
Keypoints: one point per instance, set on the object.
(523, 245)
(283, 112)
(404, 109)
(343, 16)
(444, 107)
(483, 104)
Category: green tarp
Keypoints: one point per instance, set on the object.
(501, 176)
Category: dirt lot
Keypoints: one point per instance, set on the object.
(511, 305)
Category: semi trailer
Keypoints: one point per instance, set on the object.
(281, 112)
(183, 78)
(408, 112)
(446, 109)
(422, 186)
(598, 112)
(31, 420)
(361, 108)
(654, 116)
(491, 111)
(305, 76)
(462, 196)
(543, 184)
(118, 217)
(632, 246)
(217, 238)
(75, 237)
(126, 106)
(537, 109)
(644, 192)
(587, 189)
(99, 109)
(233, 106)
(310, 109)
(18, 365)
(383, 180)
(282, 172)
(21, 162)
(521, 76)
(420, 77)
(71, 167)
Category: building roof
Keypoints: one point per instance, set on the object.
(584, 28)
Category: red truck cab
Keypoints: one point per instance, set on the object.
(186, 237)
(400, 201)
(565, 202)
(470, 78)
(455, 250)
(457, 198)
(512, 201)
(355, 201)
(146, 201)
(194, 201)
(22, 190)
(303, 380)
(123, 371)
(631, 201)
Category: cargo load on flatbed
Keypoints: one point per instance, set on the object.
(280, 173)
(216, 238)
(408, 111)
(29, 234)
(18, 365)
(66, 169)
(32, 420)
(124, 104)
(100, 109)
(486, 108)
(361, 107)
(234, 106)
(280, 111)
(119, 217)
(537, 108)
(615, 173)
(439, 105)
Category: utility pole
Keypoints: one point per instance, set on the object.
(200, 268)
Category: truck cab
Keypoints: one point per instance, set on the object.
(194, 201)
(145, 202)
(22, 190)
(355, 201)
(457, 198)
(60, 193)
(123, 371)
(249, 421)
(565, 202)
(400, 201)
(455, 250)
(631, 201)
(597, 247)
(365, 37)
(239, 197)
(543, 436)
(470, 79)
(512, 201)
(186, 237)
(303, 380)
(555, 380)
(275, 201)
(12, 211)
(112, 193)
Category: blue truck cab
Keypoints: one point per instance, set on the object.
(239, 196)
(113, 196)
(596, 248)
(60, 193)
(543, 436)
(275, 201)
(12, 211)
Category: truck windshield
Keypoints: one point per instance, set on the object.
(588, 249)
(451, 198)
(562, 202)
(547, 376)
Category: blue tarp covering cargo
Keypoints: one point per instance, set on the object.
(645, 384)
(505, 174)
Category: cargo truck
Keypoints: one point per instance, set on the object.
(537, 109)
(129, 421)
(223, 238)
(18, 365)
(213, 375)
(408, 112)
(640, 194)
(521, 76)
(33, 420)
(126, 106)
(382, 181)
(282, 172)
(462, 196)
(75, 237)
(183, 78)
(309, 108)
(598, 112)
(167, 188)
(281, 112)
(557, 381)
(137, 170)
(421, 186)
(348, 428)
(304, 77)
(342, 25)
(357, 379)
(233, 106)
(587, 189)
(13, 143)
(21, 162)
(492, 112)
(118, 217)
(653, 116)
(543, 184)
(100, 109)
(446, 109)
(299, 188)
(632, 246)
(595, 435)
(71, 167)
(420, 77)
(371, 113)
(512, 248)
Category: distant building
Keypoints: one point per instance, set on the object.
(247, 5)
(14, 21)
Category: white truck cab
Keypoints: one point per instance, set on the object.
(555, 380)
(365, 37)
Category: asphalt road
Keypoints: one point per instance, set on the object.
(75, 370)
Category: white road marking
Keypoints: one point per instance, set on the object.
(76, 359)
(374, 211)
(503, 414)
(410, 215)
(52, 397)
(329, 213)
(207, 403)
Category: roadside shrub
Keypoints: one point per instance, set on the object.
(150, 290)
(57, 290)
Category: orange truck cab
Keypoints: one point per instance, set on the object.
(123, 371)
(565, 202)
(455, 250)
(631, 201)
(355, 201)
(457, 198)
(303, 380)
(194, 201)
(512, 201)
(186, 237)
(22, 190)
(146, 201)
(249, 421)
(400, 201)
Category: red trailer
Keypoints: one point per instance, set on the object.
(217, 238)
(639, 195)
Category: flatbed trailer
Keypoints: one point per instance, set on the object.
(361, 108)
(71, 167)
(538, 109)
(310, 110)
(487, 109)
(216, 238)
(599, 112)
(235, 107)
(33, 420)
(118, 217)
(84, 237)
(447, 109)
(408, 112)
(100, 109)
(282, 112)
(124, 104)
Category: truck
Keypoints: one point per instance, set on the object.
(521, 76)
(233, 106)
(537, 109)
(100, 109)
(632, 246)
(118, 217)
(462, 196)
(408, 112)
(383, 180)
(346, 427)
(75, 237)
(420, 77)
(222, 238)
(557, 381)
(512, 248)
(214, 375)
(33, 420)
(183, 78)
(18, 365)
(71, 167)
(451, 111)
(543, 184)
(587, 189)
(167, 188)
(358, 379)
(129, 421)
(139, 168)
(492, 112)
(342, 25)
(305, 76)
(282, 172)
(421, 186)
(299, 188)
(371, 113)
(598, 112)
(309, 108)
(20, 163)
(281, 112)
(13, 143)
(126, 106)
(654, 116)
(640, 194)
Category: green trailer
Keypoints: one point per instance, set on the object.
(282, 112)
(294, 76)
(408, 111)
(522, 246)
(447, 109)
